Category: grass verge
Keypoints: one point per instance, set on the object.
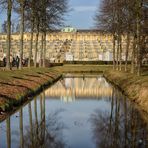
(82, 68)
(135, 87)
(18, 85)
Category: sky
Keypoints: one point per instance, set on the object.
(80, 15)
(83, 11)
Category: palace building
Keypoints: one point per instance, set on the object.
(68, 44)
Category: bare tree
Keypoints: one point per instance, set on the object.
(138, 26)
(7, 5)
(30, 19)
(125, 17)
(22, 7)
(9, 10)
(49, 16)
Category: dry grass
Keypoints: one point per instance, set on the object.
(82, 68)
(135, 87)
(17, 85)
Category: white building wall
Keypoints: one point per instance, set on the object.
(69, 56)
(101, 57)
(108, 56)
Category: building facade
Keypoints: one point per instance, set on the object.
(64, 45)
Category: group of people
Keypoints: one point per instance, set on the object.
(14, 61)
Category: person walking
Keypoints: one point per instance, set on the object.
(17, 61)
(4, 61)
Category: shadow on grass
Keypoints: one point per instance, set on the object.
(32, 75)
(15, 85)
(24, 79)
(49, 76)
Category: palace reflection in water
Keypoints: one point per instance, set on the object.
(96, 115)
(80, 86)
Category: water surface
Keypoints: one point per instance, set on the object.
(76, 112)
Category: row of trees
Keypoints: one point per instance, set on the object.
(38, 17)
(15, 27)
(125, 18)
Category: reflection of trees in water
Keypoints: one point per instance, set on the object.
(8, 132)
(121, 127)
(44, 133)
(47, 133)
(41, 132)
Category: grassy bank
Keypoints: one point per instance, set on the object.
(82, 68)
(135, 87)
(18, 85)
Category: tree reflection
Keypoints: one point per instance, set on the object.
(21, 128)
(8, 133)
(44, 133)
(122, 127)
(31, 124)
(49, 135)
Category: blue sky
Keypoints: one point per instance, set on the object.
(82, 13)
(80, 16)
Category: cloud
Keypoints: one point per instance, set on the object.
(84, 8)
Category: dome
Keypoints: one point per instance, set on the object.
(69, 29)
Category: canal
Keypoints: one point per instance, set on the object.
(79, 111)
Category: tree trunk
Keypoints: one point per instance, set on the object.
(120, 48)
(127, 50)
(21, 33)
(31, 45)
(133, 56)
(41, 52)
(138, 37)
(44, 50)
(36, 48)
(114, 45)
(9, 9)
